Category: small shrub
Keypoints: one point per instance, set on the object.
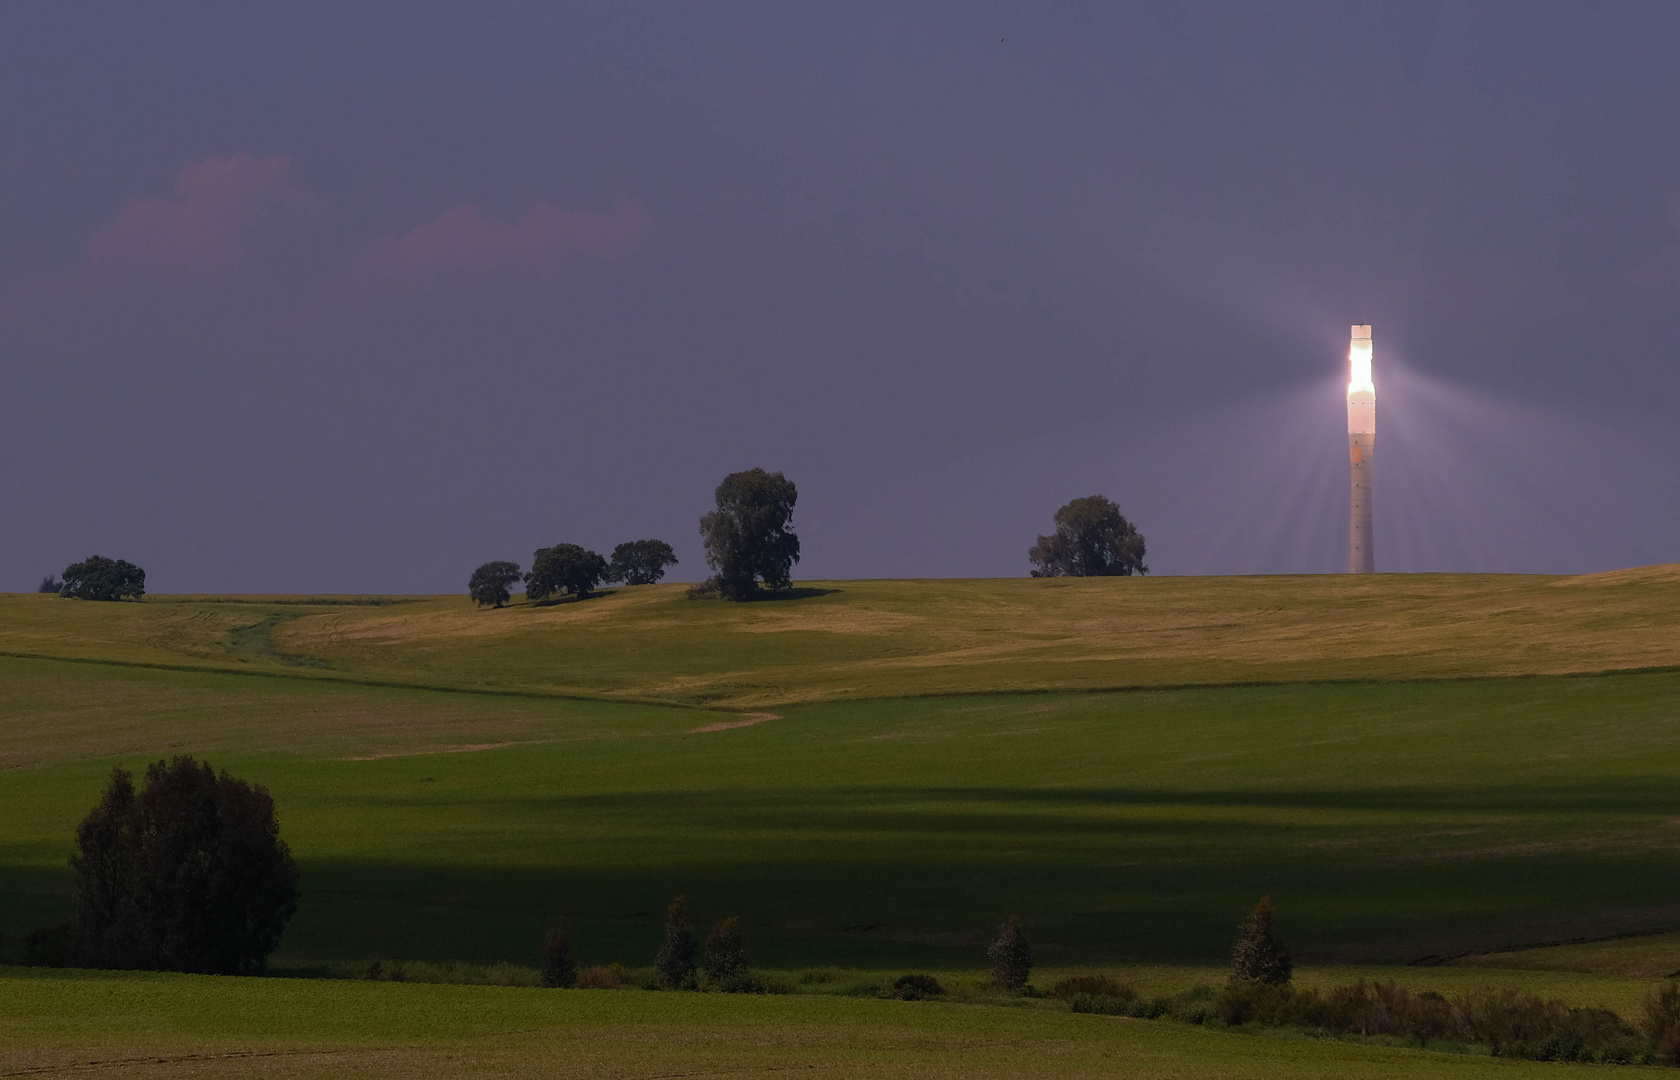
(555, 967)
(705, 590)
(748, 982)
(726, 952)
(1092, 986)
(916, 987)
(817, 975)
(1011, 955)
(611, 977)
(675, 959)
(49, 585)
(1258, 955)
(1108, 1004)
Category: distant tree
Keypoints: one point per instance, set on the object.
(48, 585)
(562, 569)
(1011, 955)
(640, 562)
(726, 952)
(489, 583)
(99, 578)
(557, 969)
(675, 959)
(190, 874)
(1092, 539)
(749, 537)
(1259, 957)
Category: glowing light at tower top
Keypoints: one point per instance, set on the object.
(1359, 361)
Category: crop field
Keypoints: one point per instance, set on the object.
(1466, 772)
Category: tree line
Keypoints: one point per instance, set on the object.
(751, 547)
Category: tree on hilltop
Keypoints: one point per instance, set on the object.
(1092, 539)
(99, 578)
(490, 583)
(563, 569)
(749, 537)
(640, 562)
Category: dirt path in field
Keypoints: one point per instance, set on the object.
(726, 725)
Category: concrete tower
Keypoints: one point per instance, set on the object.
(1362, 446)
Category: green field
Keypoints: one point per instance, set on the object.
(872, 774)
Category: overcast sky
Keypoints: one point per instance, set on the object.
(351, 298)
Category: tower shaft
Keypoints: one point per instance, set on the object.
(1361, 450)
(1362, 446)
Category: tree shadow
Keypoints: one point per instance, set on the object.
(558, 601)
(801, 593)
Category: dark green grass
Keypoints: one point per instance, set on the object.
(60, 1023)
(1389, 823)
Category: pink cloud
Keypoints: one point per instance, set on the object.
(205, 224)
(462, 239)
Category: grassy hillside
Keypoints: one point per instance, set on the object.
(872, 639)
(871, 774)
(60, 1024)
(1390, 823)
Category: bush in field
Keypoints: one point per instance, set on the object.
(1095, 985)
(675, 959)
(49, 585)
(726, 953)
(1662, 1022)
(190, 874)
(489, 584)
(749, 537)
(916, 987)
(1259, 956)
(556, 968)
(611, 977)
(640, 562)
(1011, 955)
(562, 569)
(99, 578)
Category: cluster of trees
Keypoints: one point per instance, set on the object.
(98, 578)
(571, 570)
(188, 873)
(679, 963)
(750, 546)
(1092, 539)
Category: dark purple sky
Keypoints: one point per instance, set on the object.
(344, 298)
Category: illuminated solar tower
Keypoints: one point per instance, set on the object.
(1362, 445)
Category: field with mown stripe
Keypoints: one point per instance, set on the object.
(871, 774)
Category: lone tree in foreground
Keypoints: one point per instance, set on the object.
(1092, 539)
(557, 969)
(563, 569)
(726, 957)
(1011, 955)
(1259, 957)
(190, 874)
(675, 959)
(749, 537)
(99, 578)
(640, 562)
(489, 583)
